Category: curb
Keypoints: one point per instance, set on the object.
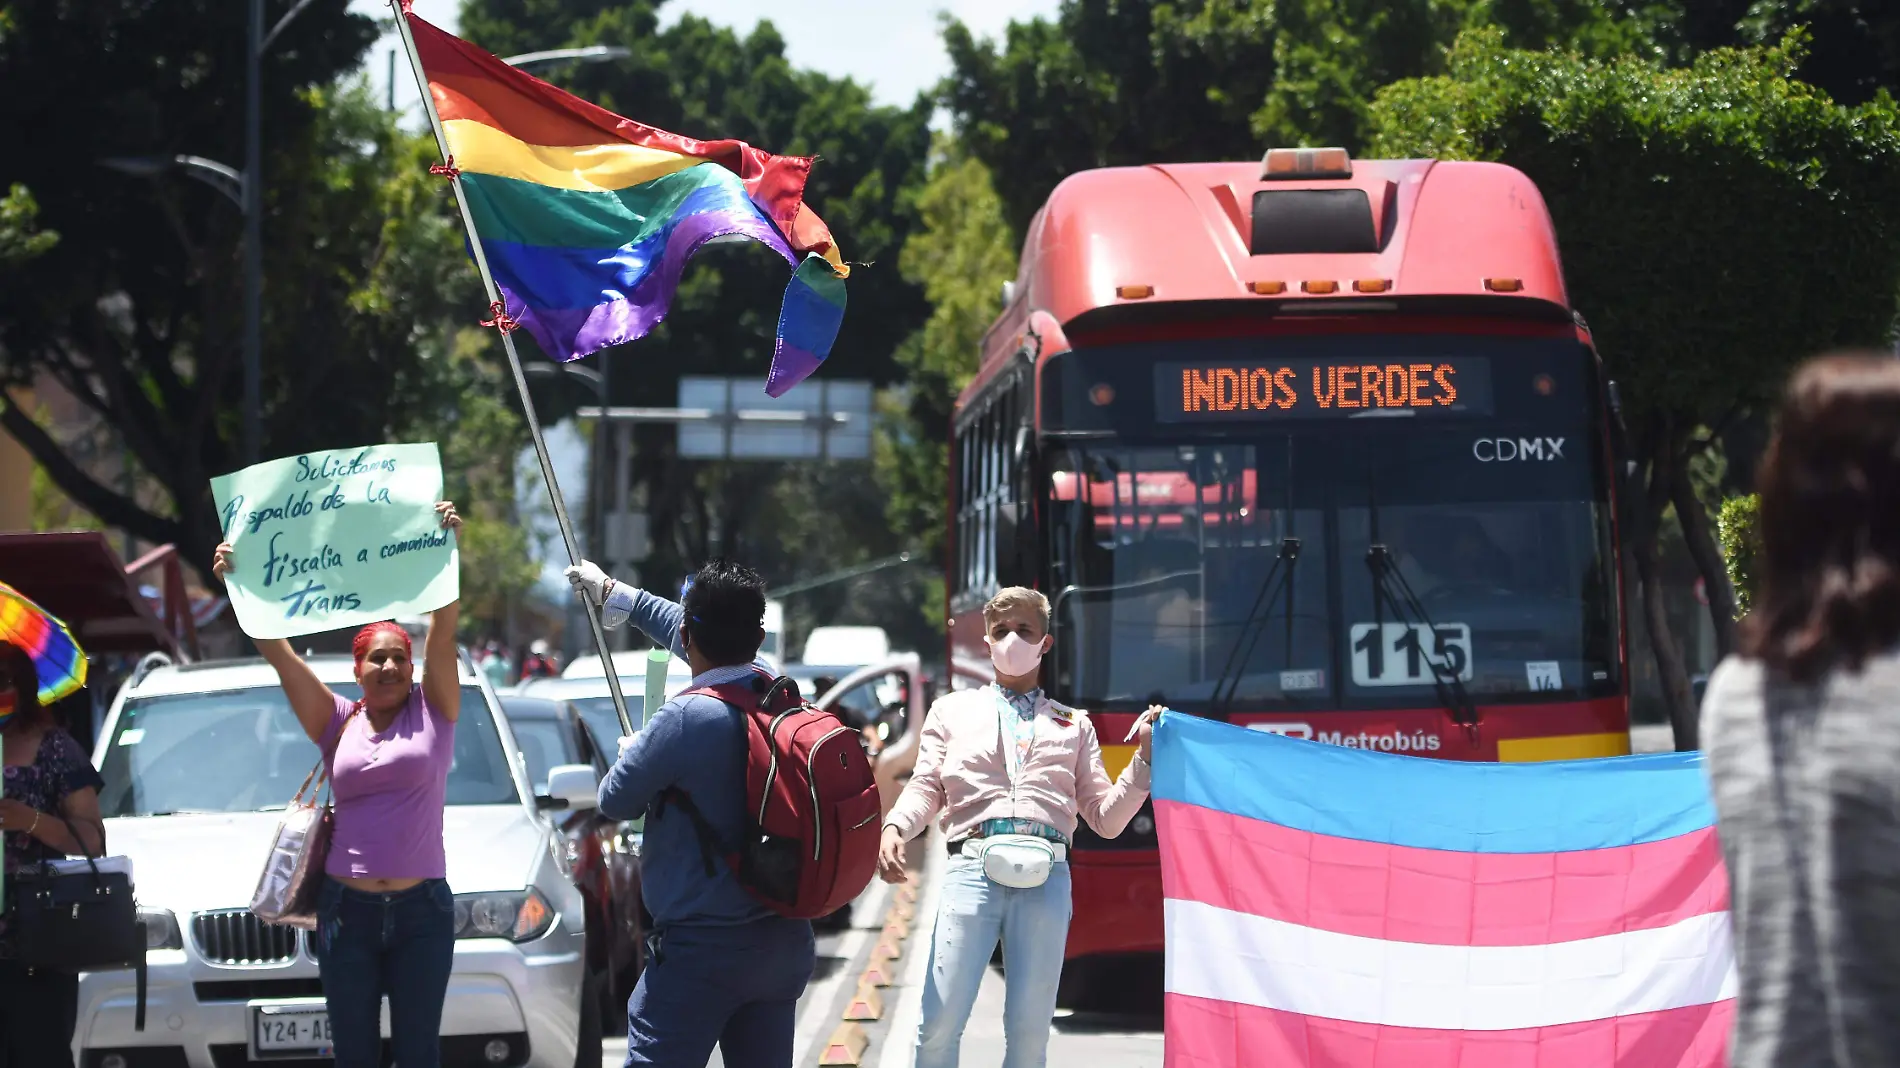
(866, 1005)
(847, 1045)
(845, 1048)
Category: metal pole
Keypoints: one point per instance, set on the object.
(514, 365)
(253, 235)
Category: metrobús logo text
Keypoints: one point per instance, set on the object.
(1386, 742)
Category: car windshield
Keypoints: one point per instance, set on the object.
(1331, 562)
(244, 751)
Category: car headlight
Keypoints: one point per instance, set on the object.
(161, 929)
(517, 915)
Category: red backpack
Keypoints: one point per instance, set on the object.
(811, 804)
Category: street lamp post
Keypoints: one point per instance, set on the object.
(254, 231)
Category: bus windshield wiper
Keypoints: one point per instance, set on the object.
(1388, 584)
(1273, 584)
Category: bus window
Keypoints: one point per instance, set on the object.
(1169, 583)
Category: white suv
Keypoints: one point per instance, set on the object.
(199, 762)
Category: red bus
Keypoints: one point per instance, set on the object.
(1315, 445)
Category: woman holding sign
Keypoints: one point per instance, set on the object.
(386, 918)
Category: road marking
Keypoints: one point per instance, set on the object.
(817, 1009)
(899, 1042)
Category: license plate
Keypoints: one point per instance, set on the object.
(280, 1031)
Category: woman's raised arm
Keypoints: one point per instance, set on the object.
(312, 701)
(441, 682)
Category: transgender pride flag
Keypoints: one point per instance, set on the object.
(1334, 908)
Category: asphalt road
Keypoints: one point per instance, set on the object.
(1128, 1036)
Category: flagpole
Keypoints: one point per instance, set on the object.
(514, 365)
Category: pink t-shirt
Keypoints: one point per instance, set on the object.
(390, 789)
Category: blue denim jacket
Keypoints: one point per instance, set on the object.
(698, 745)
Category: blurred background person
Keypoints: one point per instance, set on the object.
(1802, 731)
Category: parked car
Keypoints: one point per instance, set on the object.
(627, 663)
(589, 695)
(605, 854)
(199, 762)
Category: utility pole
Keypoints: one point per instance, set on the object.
(253, 235)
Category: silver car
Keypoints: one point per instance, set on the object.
(199, 762)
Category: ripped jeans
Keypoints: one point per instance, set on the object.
(401, 946)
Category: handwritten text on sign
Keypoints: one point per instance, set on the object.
(337, 539)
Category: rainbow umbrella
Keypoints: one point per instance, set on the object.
(60, 661)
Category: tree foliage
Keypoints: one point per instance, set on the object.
(136, 312)
(1718, 221)
(21, 238)
(1738, 523)
(961, 255)
(1108, 83)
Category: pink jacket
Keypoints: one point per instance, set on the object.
(961, 772)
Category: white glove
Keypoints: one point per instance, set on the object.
(626, 743)
(588, 576)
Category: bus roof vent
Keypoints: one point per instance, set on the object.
(1313, 220)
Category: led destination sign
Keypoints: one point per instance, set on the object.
(1309, 389)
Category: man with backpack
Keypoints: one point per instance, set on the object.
(735, 861)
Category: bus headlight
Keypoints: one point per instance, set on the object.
(517, 915)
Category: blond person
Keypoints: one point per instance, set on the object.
(1007, 772)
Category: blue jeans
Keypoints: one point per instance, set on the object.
(737, 987)
(972, 914)
(398, 945)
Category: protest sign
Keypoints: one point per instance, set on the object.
(337, 539)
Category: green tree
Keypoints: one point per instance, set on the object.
(1855, 50)
(135, 311)
(1682, 197)
(21, 238)
(1738, 525)
(1108, 84)
(1331, 56)
(961, 255)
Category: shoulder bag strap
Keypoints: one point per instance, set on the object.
(702, 828)
(321, 773)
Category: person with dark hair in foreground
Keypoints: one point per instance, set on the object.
(50, 810)
(1802, 731)
(721, 968)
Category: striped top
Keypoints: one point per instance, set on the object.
(1807, 785)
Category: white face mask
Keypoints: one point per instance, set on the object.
(1013, 656)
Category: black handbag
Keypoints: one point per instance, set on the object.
(83, 921)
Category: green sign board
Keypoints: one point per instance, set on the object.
(337, 539)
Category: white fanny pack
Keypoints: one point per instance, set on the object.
(1021, 861)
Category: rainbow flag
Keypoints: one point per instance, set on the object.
(1332, 908)
(57, 658)
(587, 219)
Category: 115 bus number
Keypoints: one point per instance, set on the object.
(1409, 654)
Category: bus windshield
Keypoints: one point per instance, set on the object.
(1398, 555)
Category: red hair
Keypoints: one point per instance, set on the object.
(359, 646)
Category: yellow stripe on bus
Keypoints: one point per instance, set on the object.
(1564, 747)
(1115, 758)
